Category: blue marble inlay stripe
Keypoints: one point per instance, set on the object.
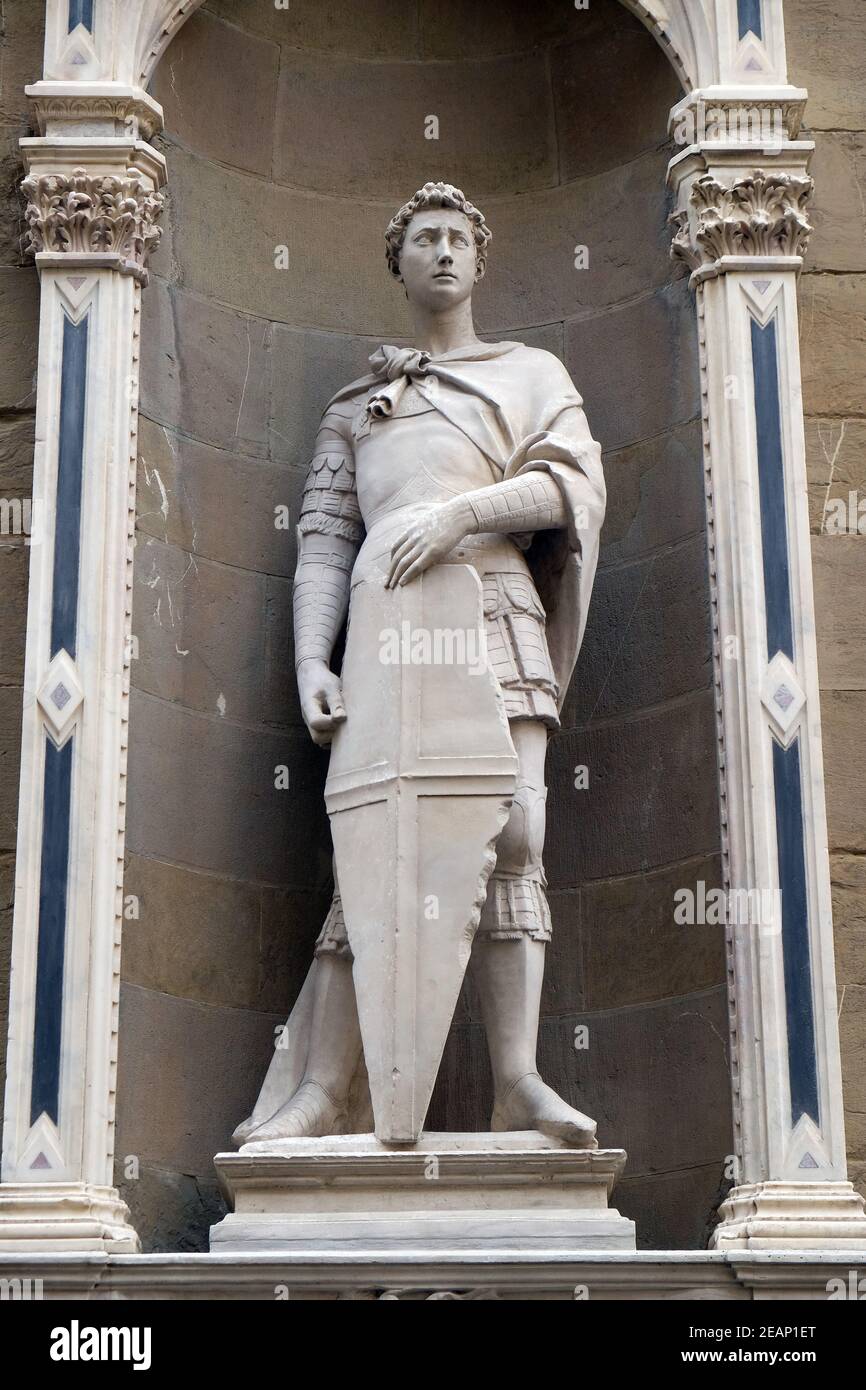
(749, 15)
(771, 482)
(799, 1008)
(67, 531)
(50, 950)
(80, 12)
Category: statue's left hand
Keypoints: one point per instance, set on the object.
(428, 538)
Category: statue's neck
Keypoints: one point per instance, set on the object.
(446, 331)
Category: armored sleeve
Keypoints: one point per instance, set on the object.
(330, 531)
(530, 502)
(329, 506)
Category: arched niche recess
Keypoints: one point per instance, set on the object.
(303, 130)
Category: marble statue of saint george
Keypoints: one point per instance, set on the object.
(452, 510)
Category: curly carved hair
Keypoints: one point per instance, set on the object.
(436, 195)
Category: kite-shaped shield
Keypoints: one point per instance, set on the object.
(421, 779)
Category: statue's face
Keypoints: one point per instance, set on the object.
(437, 260)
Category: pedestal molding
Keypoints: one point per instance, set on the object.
(792, 1215)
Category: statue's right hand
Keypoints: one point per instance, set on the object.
(321, 700)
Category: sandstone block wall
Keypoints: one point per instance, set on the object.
(826, 50)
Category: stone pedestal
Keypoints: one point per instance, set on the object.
(479, 1194)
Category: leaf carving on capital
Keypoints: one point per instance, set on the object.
(681, 246)
(94, 214)
(758, 215)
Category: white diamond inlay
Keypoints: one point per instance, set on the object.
(60, 695)
(783, 697)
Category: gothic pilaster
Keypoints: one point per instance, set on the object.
(92, 208)
(741, 225)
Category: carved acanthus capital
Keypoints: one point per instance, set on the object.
(759, 214)
(94, 215)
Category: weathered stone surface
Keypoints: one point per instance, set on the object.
(14, 568)
(842, 721)
(839, 570)
(595, 121)
(170, 1211)
(848, 881)
(215, 504)
(208, 1061)
(463, 1095)
(228, 119)
(12, 225)
(19, 317)
(7, 882)
(856, 1128)
(839, 211)
(648, 636)
(824, 40)
(10, 760)
(205, 369)
(546, 285)
(655, 494)
(21, 57)
(200, 631)
(852, 1038)
(836, 463)
(290, 923)
(379, 28)
(495, 125)
(202, 793)
(564, 971)
(833, 312)
(16, 455)
(633, 950)
(654, 344)
(232, 257)
(673, 1211)
(280, 701)
(855, 1137)
(451, 29)
(652, 797)
(675, 1047)
(243, 944)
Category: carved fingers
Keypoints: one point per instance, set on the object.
(426, 540)
(321, 701)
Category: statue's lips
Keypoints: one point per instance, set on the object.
(444, 275)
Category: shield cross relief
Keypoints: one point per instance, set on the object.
(420, 783)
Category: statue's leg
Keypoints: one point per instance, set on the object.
(319, 1106)
(508, 959)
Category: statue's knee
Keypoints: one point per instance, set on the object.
(520, 845)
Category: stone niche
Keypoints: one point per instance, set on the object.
(291, 138)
